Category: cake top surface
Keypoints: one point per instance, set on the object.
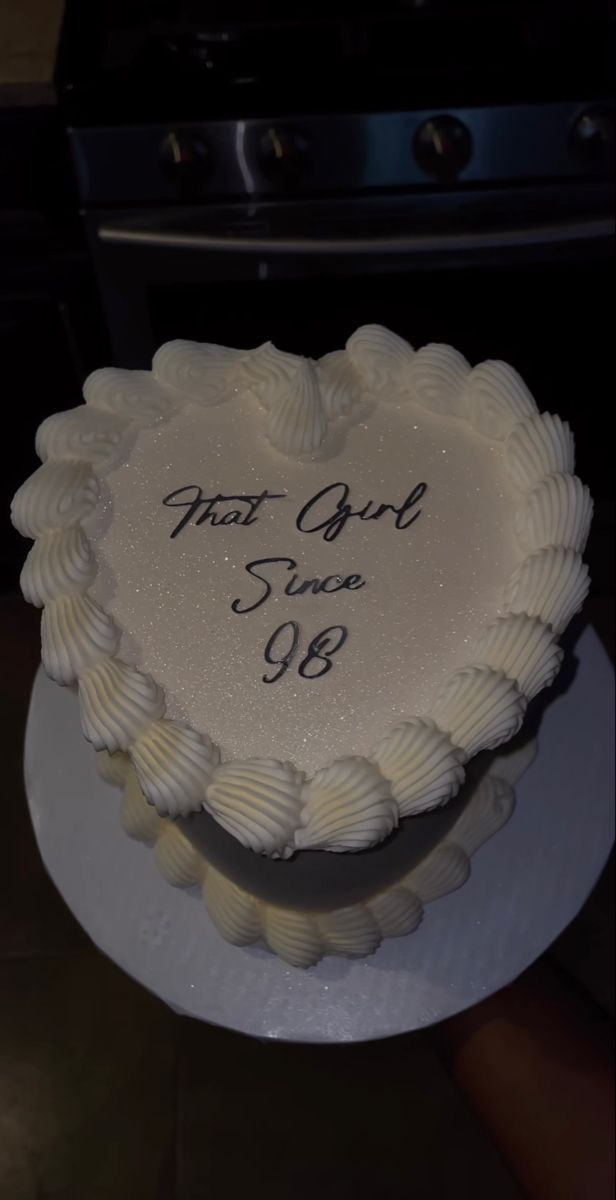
(404, 596)
(302, 595)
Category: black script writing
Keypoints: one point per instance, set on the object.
(318, 515)
(205, 508)
(281, 650)
(295, 585)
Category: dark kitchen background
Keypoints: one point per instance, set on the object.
(233, 172)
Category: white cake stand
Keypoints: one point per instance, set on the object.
(527, 883)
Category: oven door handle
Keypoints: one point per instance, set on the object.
(583, 229)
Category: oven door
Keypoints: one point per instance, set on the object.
(517, 274)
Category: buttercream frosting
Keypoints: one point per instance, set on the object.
(538, 446)
(524, 649)
(140, 820)
(301, 937)
(76, 634)
(268, 374)
(346, 806)
(423, 766)
(135, 395)
(173, 765)
(496, 398)
(397, 912)
(177, 859)
(479, 708)
(113, 768)
(558, 512)
(82, 433)
(381, 358)
(58, 564)
(437, 377)
(58, 494)
(552, 585)
(296, 424)
(259, 802)
(235, 913)
(295, 937)
(270, 805)
(118, 704)
(339, 383)
(203, 372)
(352, 932)
(444, 870)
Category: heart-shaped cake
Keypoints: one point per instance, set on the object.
(297, 598)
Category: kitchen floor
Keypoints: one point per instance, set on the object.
(105, 1094)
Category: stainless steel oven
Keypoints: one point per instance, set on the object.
(252, 179)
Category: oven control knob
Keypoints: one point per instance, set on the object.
(442, 147)
(283, 155)
(185, 161)
(591, 137)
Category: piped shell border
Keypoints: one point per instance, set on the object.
(302, 938)
(269, 806)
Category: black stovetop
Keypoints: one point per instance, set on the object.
(135, 60)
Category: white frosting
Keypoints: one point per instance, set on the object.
(200, 370)
(346, 806)
(382, 359)
(258, 801)
(408, 652)
(437, 376)
(397, 912)
(57, 495)
(83, 433)
(177, 859)
(235, 913)
(339, 382)
(173, 596)
(113, 768)
(268, 373)
(444, 870)
(300, 937)
(491, 807)
(173, 765)
(296, 422)
(294, 936)
(538, 446)
(524, 649)
(139, 819)
(479, 709)
(75, 635)
(59, 563)
(424, 768)
(118, 704)
(135, 395)
(352, 932)
(496, 399)
(552, 585)
(558, 512)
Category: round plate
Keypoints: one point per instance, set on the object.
(527, 883)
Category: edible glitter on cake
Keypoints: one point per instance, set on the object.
(430, 589)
